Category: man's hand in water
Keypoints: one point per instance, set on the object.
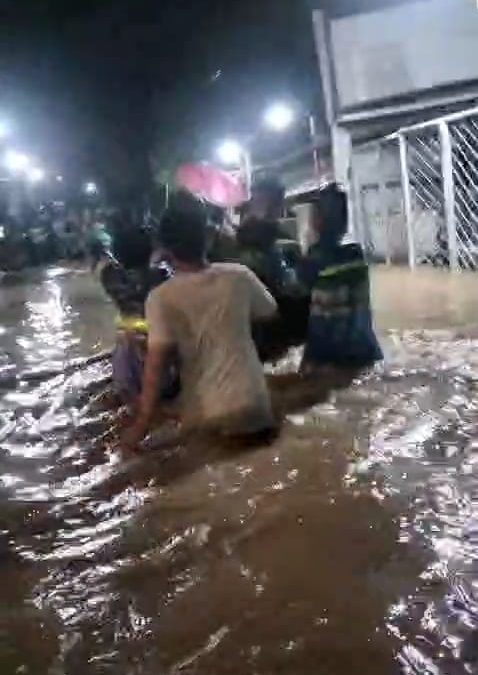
(155, 358)
(133, 435)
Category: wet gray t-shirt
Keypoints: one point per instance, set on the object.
(207, 315)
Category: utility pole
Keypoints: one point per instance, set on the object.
(325, 62)
(340, 137)
(315, 150)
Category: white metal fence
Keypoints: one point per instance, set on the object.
(416, 193)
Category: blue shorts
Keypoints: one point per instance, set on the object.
(128, 364)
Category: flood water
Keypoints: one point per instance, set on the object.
(348, 545)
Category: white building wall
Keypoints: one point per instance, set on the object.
(404, 49)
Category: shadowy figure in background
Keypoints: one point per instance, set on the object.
(258, 233)
(340, 330)
(127, 278)
(221, 238)
(258, 241)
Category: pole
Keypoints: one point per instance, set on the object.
(315, 150)
(324, 56)
(363, 235)
(247, 170)
(343, 170)
(383, 197)
(407, 200)
(449, 194)
(340, 137)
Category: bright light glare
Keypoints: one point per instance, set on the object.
(230, 152)
(91, 188)
(16, 161)
(59, 178)
(4, 129)
(279, 117)
(36, 175)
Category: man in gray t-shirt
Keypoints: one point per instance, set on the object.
(204, 316)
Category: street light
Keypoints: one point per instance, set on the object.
(16, 161)
(35, 175)
(91, 188)
(279, 117)
(230, 152)
(4, 130)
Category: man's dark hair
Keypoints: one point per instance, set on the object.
(182, 230)
(132, 246)
(331, 204)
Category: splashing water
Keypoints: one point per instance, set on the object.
(350, 543)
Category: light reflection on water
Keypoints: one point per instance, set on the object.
(350, 543)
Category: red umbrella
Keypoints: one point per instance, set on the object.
(214, 185)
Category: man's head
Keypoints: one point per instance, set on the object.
(182, 231)
(133, 247)
(267, 198)
(330, 214)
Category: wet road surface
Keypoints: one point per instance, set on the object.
(348, 545)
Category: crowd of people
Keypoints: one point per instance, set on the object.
(203, 304)
(47, 235)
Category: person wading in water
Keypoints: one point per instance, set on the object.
(340, 331)
(202, 317)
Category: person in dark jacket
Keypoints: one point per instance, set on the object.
(258, 243)
(258, 233)
(340, 330)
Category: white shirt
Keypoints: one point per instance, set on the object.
(207, 315)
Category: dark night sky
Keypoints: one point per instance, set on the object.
(91, 87)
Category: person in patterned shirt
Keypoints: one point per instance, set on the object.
(340, 330)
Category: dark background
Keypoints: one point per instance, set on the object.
(107, 90)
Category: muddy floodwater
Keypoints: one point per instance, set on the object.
(349, 545)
